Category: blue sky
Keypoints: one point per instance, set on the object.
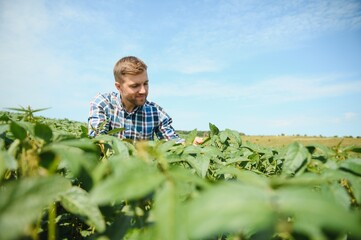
(259, 67)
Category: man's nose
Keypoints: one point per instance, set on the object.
(142, 89)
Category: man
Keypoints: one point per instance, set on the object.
(129, 108)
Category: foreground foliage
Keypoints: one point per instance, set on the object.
(57, 183)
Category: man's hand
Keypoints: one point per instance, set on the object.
(198, 141)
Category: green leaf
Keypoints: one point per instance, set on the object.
(73, 158)
(200, 164)
(304, 180)
(120, 148)
(14, 147)
(137, 180)
(214, 130)
(77, 201)
(190, 137)
(23, 201)
(8, 161)
(184, 176)
(4, 128)
(245, 176)
(211, 151)
(296, 159)
(313, 211)
(351, 148)
(78, 162)
(84, 131)
(22, 109)
(223, 136)
(4, 117)
(49, 161)
(139, 234)
(334, 190)
(2, 164)
(351, 165)
(235, 135)
(168, 213)
(37, 110)
(322, 148)
(335, 177)
(355, 149)
(355, 183)
(43, 131)
(165, 146)
(228, 208)
(191, 149)
(83, 143)
(18, 131)
(231, 136)
(115, 130)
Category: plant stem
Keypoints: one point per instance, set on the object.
(52, 222)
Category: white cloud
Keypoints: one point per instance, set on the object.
(28, 71)
(348, 116)
(244, 28)
(290, 124)
(297, 20)
(33, 70)
(345, 118)
(197, 65)
(280, 123)
(22, 17)
(305, 88)
(282, 89)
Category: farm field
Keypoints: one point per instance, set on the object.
(282, 141)
(57, 183)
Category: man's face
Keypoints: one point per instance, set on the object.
(133, 90)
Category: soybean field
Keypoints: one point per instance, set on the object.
(57, 183)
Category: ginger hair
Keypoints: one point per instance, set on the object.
(128, 65)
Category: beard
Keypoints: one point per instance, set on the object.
(138, 100)
(132, 101)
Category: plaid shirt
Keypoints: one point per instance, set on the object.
(141, 124)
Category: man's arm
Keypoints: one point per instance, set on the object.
(97, 120)
(169, 133)
(165, 129)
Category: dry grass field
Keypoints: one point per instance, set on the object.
(280, 141)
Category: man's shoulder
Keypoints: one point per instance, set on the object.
(107, 95)
(154, 108)
(108, 98)
(152, 105)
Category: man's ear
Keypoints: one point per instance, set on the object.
(117, 86)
